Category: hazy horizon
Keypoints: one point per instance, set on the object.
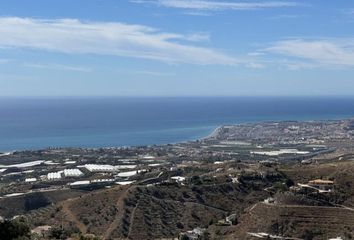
(177, 96)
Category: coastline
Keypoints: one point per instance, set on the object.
(212, 134)
(32, 124)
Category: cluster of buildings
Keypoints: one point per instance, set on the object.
(96, 183)
(94, 168)
(228, 221)
(65, 173)
(195, 234)
(318, 185)
(99, 168)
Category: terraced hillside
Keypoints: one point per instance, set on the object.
(297, 221)
(26, 203)
(151, 212)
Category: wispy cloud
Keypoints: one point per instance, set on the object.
(198, 13)
(293, 64)
(348, 12)
(154, 73)
(4, 60)
(255, 65)
(57, 67)
(197, 37)
(346, 15)
(285, 16)
(325, 52)
(108, 38)
(218, 5)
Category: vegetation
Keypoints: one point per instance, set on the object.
(17, 229)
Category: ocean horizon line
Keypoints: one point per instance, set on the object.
(209, 135)
(96, 122)
(172, 96)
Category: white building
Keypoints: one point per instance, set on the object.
(125, 182)
(72, 173)
(100, 168)
(178, 179)
(29, 180)
(102, 181)
(54, 175)
(80, 183)
(130, 173)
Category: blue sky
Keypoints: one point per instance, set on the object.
(176, 48)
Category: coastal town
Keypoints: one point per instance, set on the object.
(247, 181)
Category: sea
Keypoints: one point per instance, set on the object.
(30, 123)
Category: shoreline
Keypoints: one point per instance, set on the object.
(35, 125)
(212, 134)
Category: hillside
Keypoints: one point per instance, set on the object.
(296, 221)
(150, 212)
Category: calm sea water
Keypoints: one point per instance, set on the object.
(34, 123)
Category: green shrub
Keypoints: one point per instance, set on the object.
(15, 229)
